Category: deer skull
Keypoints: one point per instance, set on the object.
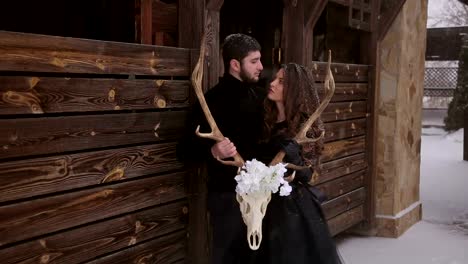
(253, 207)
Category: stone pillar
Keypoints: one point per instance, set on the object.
(398, 129)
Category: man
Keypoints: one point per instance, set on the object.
(236, 105)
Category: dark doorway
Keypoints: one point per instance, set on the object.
(261, 19)
(91, 19)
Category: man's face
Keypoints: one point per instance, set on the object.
(251, 67)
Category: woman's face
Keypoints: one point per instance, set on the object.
(275, 93)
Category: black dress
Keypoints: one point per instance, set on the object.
(294, 228)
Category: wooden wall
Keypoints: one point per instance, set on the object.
(345, 157)
(88, 171)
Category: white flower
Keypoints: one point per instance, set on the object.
(255, 176)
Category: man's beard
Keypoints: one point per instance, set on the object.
(246, 78)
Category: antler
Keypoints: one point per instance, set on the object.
(301, 136)
(215, 134)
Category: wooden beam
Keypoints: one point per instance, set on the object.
(27, 178)
(167, 249)
(90, 241)
(41, 53)
(386, 19)
(146, 16)
(47, 135)
(293, 31)
(41, 216)
(43, 95)
(312, 11)
(191, 22)
(372, 108)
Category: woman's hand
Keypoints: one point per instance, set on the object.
(223, 149)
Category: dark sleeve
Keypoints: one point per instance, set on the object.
(191, 148)
(293, 152)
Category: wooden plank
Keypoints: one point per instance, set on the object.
(40, 53)
(343, 203)
(343, 148)
(337, 168)
(347, 92)
(344, 129)
(346, 220)
(164, 250)
(344, 110)
(35, 136)
(85, 243)
(342, 185)
(37, 95)
(29, 219)
(31, 177)
(342, 72)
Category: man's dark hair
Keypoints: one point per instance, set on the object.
(237, 46)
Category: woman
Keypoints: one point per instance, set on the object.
(294, 227)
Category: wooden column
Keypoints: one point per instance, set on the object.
(293, 31)
(191, 14)
(195, 18)
(146, 21)
(397, 111)
(213, 45)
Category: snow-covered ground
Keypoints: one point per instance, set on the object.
(442, 236)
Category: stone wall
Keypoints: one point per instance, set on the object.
(399, 96)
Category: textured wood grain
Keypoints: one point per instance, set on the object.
(29, 219)
(346, 220)
(165, 250)
(344, 111)
(347, 91)
(37, 95)
(34, 136)
(87, 242)
(343, 203)
(344, 129)
(342, 184)
(343, 148)
(40, 53)
(31, 177)
(337, 168)
(342, 72)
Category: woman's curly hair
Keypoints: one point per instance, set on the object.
(300, 100)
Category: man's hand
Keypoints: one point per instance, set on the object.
(223, 149)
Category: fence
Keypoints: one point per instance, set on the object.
(440, 81)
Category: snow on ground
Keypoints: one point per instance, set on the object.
(442, 236)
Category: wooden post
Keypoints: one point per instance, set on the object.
(146, 22)
(293, 31)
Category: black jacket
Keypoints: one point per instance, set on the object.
(237, 108)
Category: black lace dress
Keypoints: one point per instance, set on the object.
(294, 227)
